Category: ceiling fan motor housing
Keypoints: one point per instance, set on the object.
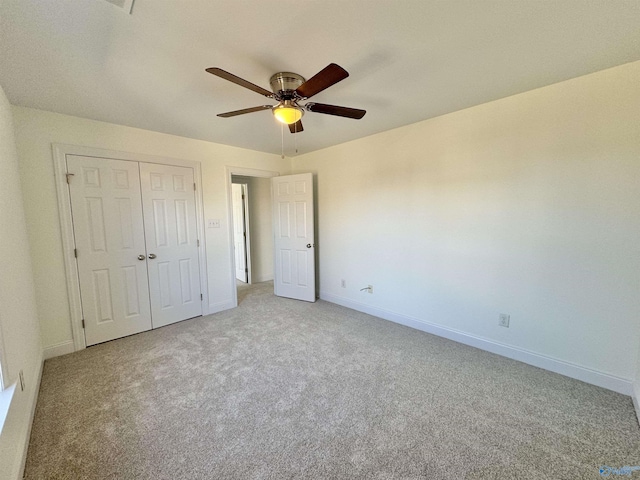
(284, 84)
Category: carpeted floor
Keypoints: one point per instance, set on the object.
(280, 389)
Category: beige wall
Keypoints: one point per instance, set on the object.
(527, 206)
(261, 229)
(36, 131)
(20, 347)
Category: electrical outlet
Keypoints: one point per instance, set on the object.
(21, 375)
(213, 223)
(503, 320)
(343, 284)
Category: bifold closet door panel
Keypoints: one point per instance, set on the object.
(110, 244)
(169, 210)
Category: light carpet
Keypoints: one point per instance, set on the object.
(281, 389)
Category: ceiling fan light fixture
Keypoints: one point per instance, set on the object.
(287, 112)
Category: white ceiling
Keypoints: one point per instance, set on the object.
(409, 60)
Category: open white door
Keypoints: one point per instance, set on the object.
(239, 231)
(294, 239)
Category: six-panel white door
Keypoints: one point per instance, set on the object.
(109, 237)
(294, 241)
(168, 201)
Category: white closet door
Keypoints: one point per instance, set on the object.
(169, 207)
(109, 236)
(293, 232)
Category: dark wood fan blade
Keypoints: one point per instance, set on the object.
(245, 110)
(336, 110)
(218, 72)
(296, 127)
(330, 75)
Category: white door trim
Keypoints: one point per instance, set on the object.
(60, 152)
(231, 170)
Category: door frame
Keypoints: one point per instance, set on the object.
(230, 171)
(60, 152)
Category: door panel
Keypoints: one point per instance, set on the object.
(109, 236)
(169, 210)
(294, 242)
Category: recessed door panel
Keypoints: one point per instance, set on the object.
(91, 176)
(300, 187)
(302, 265)
(130, 290)
(301, 219)
(164, 281)
(285, 267)
(102, 289)
(155, 179)
(284, 220)
(182, 227)
(121, 179)
(97, 228)
(125, 224)
(179, 183)
(185, 280)
(160, 223)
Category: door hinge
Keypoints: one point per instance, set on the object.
(83, 323)
(246, 270)
(198, 242)
(245, 234)
(69, 175)
(243, 196)
(201, 297)
(75, 252)
(194, 186)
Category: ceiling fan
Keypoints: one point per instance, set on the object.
(289, 89)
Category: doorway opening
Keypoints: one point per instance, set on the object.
(281, 214)
(252, 230)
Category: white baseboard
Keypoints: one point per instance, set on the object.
(636, 398)
(261, 278)
(587, 375)
(25, 432)
(58, 349)
(221, 306)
